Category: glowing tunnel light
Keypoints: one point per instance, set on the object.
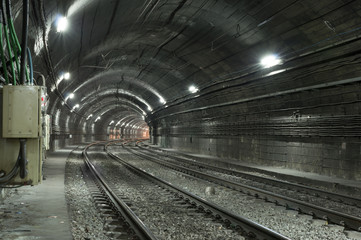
(162, 101)
(96, 120)
(70, 96)
(66, 76)
(62, 24)
(270, 61)
(193, 89)
(76, 106)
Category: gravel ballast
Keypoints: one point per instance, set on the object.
(167, 216)
(288, 223)
(86, 222)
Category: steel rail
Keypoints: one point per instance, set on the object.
(274, 182)
(249, 228)
(140, 230)
(335, 217)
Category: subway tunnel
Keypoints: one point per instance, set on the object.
(270, 88)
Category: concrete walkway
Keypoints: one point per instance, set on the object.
(38, 212)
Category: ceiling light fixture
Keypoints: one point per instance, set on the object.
(75, 107)
(70, 96)
(62, 24)
(193, 89)
(162, 101)
(270, 61)
(66, 76)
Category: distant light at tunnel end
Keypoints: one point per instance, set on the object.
(270, 61)
(61, 24)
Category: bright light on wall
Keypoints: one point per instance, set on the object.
(62, 24)
(66, 76)
(270, 61)
(96, 120)
(111, 122)
(89, 116)
(75, 107)
(70, 96)
(162, 101)
(193, 89)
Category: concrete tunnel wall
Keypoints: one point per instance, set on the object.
(294, 122)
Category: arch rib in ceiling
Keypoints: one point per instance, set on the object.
(114, 92)
(86, 109)
(113, 75)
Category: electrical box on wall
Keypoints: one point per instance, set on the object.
(20, 112)
(20, 118)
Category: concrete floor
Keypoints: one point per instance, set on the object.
(38, 212)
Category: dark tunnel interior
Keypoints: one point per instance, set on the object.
(274, 83)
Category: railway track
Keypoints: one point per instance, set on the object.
(228, 164)
(347, 220)
(176, 199)
(123, 221)
(269, 182)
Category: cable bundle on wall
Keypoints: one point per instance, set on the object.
(11, 49)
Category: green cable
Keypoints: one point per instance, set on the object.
(10, 55)
(16, 42)
(3, 55)
(15, 51)
(13, 32)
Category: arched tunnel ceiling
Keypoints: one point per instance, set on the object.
(139, 54)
